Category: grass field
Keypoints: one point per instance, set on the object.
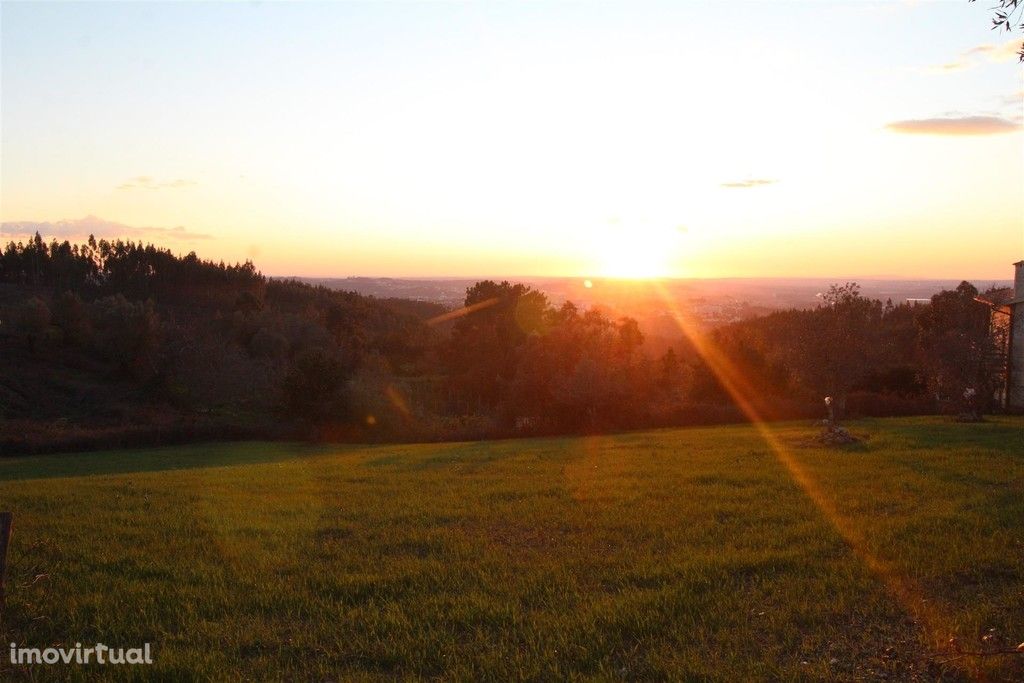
(682, 554)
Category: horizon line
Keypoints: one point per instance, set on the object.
(606, 278)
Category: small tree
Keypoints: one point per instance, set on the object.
(835, 344)
(958, 354)
(670, 374)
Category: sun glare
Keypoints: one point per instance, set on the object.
(636, 257)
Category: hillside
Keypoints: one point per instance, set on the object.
(696, 553)
(120, 344)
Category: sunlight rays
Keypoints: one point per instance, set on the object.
(459, 312)
(907, 592)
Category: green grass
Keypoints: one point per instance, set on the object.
(682, 554)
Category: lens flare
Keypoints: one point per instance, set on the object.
(904, 589)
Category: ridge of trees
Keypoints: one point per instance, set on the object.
(111, 338)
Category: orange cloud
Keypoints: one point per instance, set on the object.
(956, 125)
(1002, 52)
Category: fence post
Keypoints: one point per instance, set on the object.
(6, 522)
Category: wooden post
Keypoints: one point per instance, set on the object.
(6, 522)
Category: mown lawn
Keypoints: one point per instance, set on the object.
(682, 554)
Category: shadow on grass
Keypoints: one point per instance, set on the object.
(462, 453)
(999, 433)
(165, 458)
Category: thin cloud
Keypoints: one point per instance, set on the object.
(978, 50)
(750, 182)
(992, 52)
(951, 67)
(1002, 52)
(93, 225)
(145, 182)
(1014, 100)
(955, 126)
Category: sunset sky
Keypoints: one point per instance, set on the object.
(635, 139)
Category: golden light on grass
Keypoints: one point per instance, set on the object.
(907, 592)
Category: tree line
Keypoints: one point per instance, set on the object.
(109, 342)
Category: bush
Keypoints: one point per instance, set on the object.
(872, 404)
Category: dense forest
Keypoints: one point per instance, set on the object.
(108, 344)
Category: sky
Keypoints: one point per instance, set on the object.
(632, 139)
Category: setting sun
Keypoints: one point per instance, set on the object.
(634, 260)
(638, 250)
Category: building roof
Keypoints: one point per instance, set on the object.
(999, 297)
